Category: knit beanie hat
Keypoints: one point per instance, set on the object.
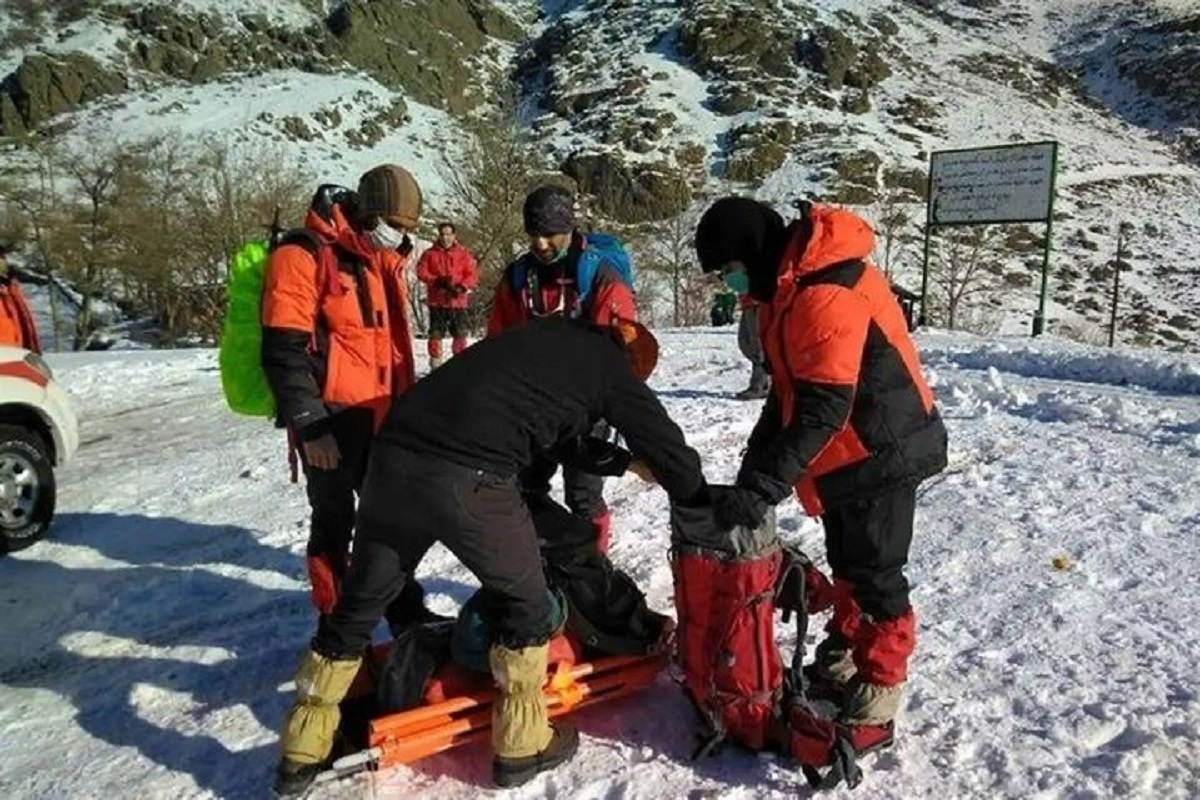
(549, 210)
(392, 194)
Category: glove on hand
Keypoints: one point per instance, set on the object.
(735, 506)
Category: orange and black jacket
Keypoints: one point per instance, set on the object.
(17, 327)
(557, 295)
(850, 415)
(335, 325)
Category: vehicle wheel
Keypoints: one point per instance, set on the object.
(27, 491)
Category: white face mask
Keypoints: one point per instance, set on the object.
(385, 237)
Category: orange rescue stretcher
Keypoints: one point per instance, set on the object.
(457, 706)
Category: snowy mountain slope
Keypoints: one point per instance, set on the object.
(149, 643)
(838, 99)
(251, 110)
(336, 90)
(631, 90)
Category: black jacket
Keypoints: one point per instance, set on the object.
(531, 392)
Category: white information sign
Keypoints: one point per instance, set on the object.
(1012, 183)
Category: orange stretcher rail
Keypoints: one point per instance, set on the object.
(409, 736)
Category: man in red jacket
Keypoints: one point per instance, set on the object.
(558, 277)
(449, 273)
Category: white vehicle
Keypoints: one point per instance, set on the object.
(38, 432)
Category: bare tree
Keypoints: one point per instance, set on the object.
(665, 250)
(92, 227)
(664, 253)
(894, 224)
(149, 226)
(186, 212)
(487, 178)
(962, 273)
(232, 200)
(30, 186)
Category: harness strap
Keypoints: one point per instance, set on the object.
(845, 768)
(793, 579)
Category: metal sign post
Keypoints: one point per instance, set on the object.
(988, 186)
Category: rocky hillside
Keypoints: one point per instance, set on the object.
(337, 83)
(844, 101)
(651, 105)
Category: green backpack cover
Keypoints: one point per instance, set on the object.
(242, 377)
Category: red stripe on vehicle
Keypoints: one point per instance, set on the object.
(19, 369)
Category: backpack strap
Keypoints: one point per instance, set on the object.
(792, 595)
(844, 768)
(600, 250)
(844, 273)
(791, 590)
(527, 287)
(321, 251)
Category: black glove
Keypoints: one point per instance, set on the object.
(735, 506)
(444, 283)
(601, 457)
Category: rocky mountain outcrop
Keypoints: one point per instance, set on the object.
(430, 51)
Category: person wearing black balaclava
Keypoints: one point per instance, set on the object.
(564, 273)
(850, 425)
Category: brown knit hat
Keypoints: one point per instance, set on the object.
(391, 193)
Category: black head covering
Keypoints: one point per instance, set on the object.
(748, 232)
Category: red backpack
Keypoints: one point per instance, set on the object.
(728, 585)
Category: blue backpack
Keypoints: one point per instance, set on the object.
(598, 249)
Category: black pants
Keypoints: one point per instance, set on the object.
(867, 542)
(332, 492)
(450, 322)
(606, 610)
(411, 501)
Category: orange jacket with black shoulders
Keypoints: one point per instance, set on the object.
(850, 415)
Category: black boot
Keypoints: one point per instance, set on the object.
(509, 772)
(293, 780)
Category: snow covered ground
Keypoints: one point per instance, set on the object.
(148, 645)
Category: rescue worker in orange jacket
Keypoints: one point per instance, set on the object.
(850, 424)
(337, 347)
(450, 274)
(550, 289)
(17, 328)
